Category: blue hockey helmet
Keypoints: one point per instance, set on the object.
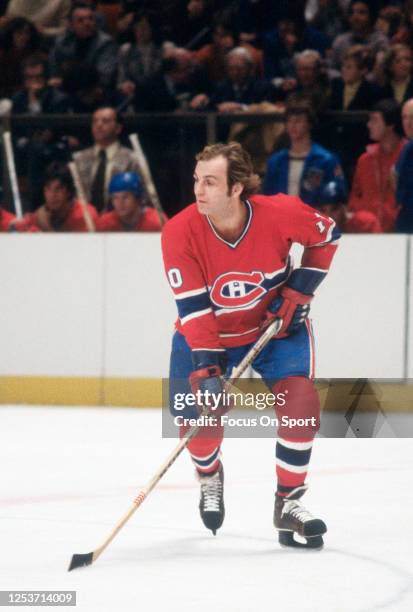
(126, 181)
(333, 193)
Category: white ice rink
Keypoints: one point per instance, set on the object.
(67, 475)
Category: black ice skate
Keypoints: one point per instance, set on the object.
(211, 504)
(290, 517)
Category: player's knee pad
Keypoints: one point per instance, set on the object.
(299, 416)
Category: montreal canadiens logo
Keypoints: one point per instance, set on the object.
(237, 289)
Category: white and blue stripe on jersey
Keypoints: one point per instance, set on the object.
(197, 302)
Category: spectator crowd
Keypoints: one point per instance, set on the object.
(306, 59)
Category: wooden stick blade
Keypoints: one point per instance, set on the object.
(81, 561)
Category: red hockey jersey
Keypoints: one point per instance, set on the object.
(222, 289)
(5, 219)
(147, 222)
(40, 220)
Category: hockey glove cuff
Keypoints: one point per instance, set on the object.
(207, 378)
(208, 386)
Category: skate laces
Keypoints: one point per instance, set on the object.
(211, 490)
(295, 509)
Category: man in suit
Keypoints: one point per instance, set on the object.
(174, 86)
(241, 87)
(83, 43)
(105, 158)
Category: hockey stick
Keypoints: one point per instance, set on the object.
(81, 197)
(11, 168)
(147, 176)
(79, 560)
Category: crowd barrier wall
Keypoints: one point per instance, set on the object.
(88, 319)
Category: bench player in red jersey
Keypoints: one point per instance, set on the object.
(227, 260)
(129, 212)
(61, 211)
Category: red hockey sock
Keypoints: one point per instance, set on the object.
(205, 447)
(298, 421)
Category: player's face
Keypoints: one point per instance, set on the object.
(56, 195)
(407, 118)
(376, 126)
(124, 203)
(211, 186)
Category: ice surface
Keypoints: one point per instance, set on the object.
(67, 475)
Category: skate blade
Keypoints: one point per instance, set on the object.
(286, 540)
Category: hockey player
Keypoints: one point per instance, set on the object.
(129, 214)
(61, 211)
(227, 260)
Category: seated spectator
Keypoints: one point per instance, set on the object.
(86, 93)
(49, 16)
(174, 86)
(391, 22)
(408, 26)
(352, 91)
(304, 168)
(138, 60)
(310, 80)
(256, 17)
(129, 212)
(290, 36)
(372, 189)
(361, 18)
(19, 39)
(213, 56)
(36, 96)
(240, 87)
(333, 204)
(397, 67)
(36, 149)
(194, 31)
(126, 17)
(6, 218)
(83, 43)
(327, 16)
(97, 164)
(61, 212)
(404, 173)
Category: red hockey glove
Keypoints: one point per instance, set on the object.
(292, 307)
